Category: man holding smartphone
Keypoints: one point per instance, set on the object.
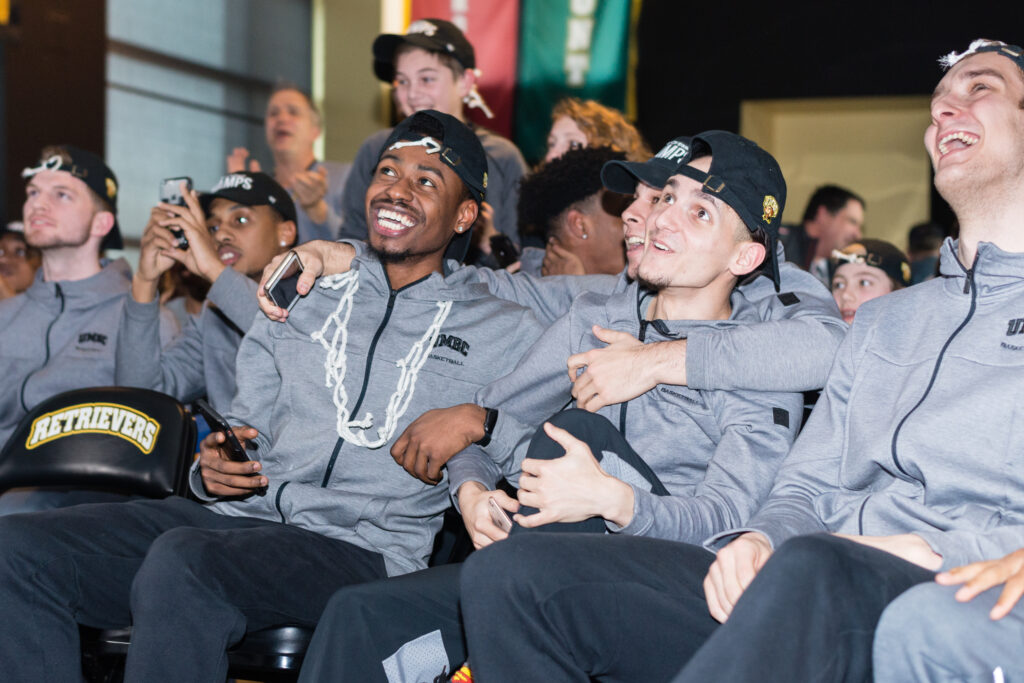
(320, 401)
(232, 233)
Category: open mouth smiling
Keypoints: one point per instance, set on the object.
(957, 140)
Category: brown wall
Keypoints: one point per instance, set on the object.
(54, 65)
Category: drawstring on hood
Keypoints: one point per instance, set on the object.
(335, 364)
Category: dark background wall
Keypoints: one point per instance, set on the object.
(699, 60)
(54, 74)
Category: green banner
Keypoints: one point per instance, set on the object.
(568, 48)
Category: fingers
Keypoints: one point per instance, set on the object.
(532, 521)
(960, 574)
(514, 267)
(713, 594)
(612, 336)
(505, 501)
(992, 574)
(563, 438)
(1009, 597)
(254, 166)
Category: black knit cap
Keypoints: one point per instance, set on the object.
(433, 35)
(457, 146)
(91, 170)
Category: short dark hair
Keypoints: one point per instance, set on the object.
(559, 185)
(925, 237)
(833, 198)
(282, 86)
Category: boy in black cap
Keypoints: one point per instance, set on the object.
(433, 66)
(61, 333)
(324, 398)
(232, 232)
(865, 270)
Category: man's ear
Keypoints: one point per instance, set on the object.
(577, 224)
(285, 232)
(748, 256)
(464, 83)
(102, 223)
(813, 228)
(466, 215)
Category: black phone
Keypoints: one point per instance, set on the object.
(504, 250)
(235, 449)
(283, 283)
(170, 193)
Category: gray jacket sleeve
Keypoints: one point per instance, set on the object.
(353, 198)
(802, 331)
(258, 383)
(812, 466)
(505, 169)
(755, 439)
(537, 388)
(548, 297)
(960, 546)
(140, 361)
(235, 295)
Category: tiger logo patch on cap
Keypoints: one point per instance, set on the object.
(111, 188)
(771, 209)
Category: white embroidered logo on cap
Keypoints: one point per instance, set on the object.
(232, 181)
(422, 26)
(673, 151)
(432, 145)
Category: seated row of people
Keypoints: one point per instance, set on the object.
(691, 366)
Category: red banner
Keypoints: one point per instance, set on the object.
(492, 26)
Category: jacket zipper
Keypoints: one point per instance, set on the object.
(969, 288)
(24, 383)
(366, 374)
(622, 407)
(277, 501)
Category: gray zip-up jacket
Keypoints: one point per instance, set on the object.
(715, 451)
(58, 336)
(288, 389)
(201, 361)
(505, 166)
(920, 428)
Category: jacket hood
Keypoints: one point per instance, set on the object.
(459, 283)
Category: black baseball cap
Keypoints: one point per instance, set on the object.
(622, 176)
(872, 252)
(91, 170)
(457, 146)
(433, 35)
(745, 177)
(251, 189)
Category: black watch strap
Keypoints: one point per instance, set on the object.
(490, 419)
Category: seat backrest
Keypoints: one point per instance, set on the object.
(133, 441)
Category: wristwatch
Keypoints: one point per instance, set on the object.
(490, 419)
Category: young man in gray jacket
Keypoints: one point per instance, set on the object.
(673, 463)
(907, 464)
(231, 234)
(321, 400)
(61, 333)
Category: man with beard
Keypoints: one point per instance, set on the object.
(320, 402)
(61, 333)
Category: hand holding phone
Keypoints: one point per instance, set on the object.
(504, 250)
(282, 286)
(217, 423)
(499, 516)
(170, 193)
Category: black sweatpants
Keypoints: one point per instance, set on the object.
(628, 609)
(190, 582)
(409, 628)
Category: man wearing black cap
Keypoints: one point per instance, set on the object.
(322, 399)
(231, 233)
(673, 463)
(433, 66)
(907, 466)
(61, 333)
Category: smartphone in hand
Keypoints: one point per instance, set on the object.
(170, 193)
(499, 516)
(235, 449)
(504, 250)
(282, 286)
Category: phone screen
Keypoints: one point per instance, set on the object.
(235, 450)
(170, 190)
(282, 285)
